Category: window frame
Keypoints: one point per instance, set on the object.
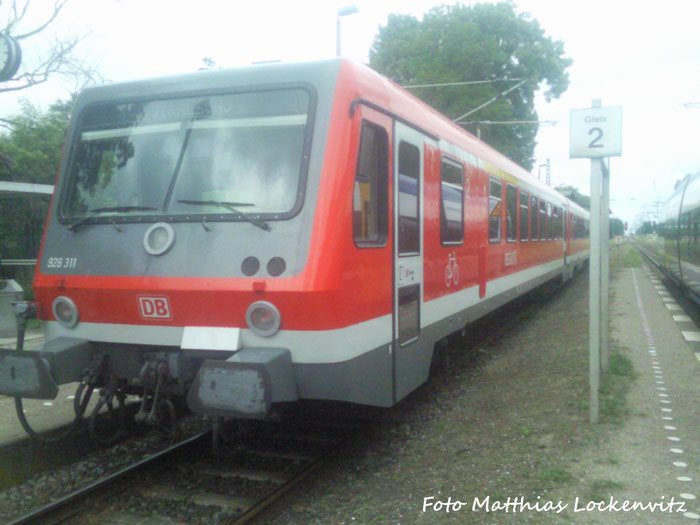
(399, 237)
(382, 200)
(445, 160)
(499, 182)
(514, 238)
(413, 330)
(526, 208)
(534, 218)
(64, 216)
(559, 228)
(543, 223)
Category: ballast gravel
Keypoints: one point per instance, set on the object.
(46, 487)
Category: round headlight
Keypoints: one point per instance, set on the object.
(158, 238)
(65, 311)
(263, 318)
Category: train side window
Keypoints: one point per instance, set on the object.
(524, 216)
(562, 222)
(543, 220)
(495, 210)
(451, 202)
(533, 218)
(409, 314)
(511, 213)
(409, 177)
(559, 227)
(370, 218)
(550, 222)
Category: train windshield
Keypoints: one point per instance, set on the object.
(163, 155)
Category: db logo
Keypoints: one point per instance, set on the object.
(154, 307)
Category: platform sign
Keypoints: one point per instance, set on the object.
(595, 132)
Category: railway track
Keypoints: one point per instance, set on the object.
(71, 504)
(186, 483)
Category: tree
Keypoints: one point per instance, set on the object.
(34, 146)
(617, 227)
(646, 228)
(59, 59)
(572, 193)
(485, 42)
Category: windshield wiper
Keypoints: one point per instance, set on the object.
(231, 206)
(111, 209)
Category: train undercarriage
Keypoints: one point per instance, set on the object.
(159, 380)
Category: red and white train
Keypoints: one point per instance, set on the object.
(275, 233)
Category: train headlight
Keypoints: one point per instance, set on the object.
(65, 311)
(263, 318)
(158, 239)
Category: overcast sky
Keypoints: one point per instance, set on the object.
(642, 56)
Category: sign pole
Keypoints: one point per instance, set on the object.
(604, 267)
(596, 133)
(594, 294)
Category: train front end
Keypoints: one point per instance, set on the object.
(178, 241)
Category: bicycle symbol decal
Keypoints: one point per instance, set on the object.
(451, 270)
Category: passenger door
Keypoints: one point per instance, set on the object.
(411, 358)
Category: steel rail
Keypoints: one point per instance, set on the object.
(253, 511)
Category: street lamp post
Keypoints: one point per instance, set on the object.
(343, 11)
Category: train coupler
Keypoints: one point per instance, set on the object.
(36, 374)
(156, 407)
(245, 385)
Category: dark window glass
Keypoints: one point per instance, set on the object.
(533, 218)
(370, 197)
(511, 213)
(409, 319)
(409, 177)
(451, 202)
(524, 216)
(543, 221)
(495, 210)
(558, 221)
(550, 224)
(150, 156)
